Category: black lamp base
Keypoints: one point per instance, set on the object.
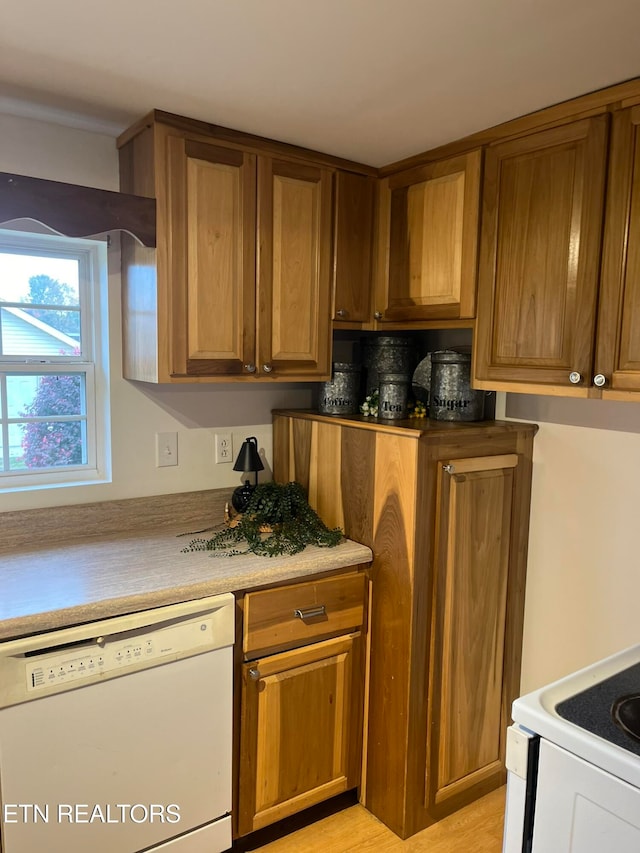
(241, 496)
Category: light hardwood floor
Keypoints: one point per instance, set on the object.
(474, 829)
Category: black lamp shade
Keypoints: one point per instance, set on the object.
(249, 458)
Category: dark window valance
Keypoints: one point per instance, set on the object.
(76, 211)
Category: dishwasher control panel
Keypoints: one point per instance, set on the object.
(51, 668)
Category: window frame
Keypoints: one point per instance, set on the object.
(92, 361)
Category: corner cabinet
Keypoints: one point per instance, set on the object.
(353, 249)
(302, 682)
(428, 221)
(240, 285)
(617, 357)
(445, 509)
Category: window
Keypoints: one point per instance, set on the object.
(53, 374)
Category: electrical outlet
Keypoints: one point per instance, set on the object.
(166, 449)
(224, 447)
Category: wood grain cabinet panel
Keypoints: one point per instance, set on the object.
(240, 285)
(445, 510)
(299, 614)
(428, 234)
(540, 253)
(353, 249)
(294, 268)
(212, 206)
(466, 719)
(617, 361)
(301, 730)
(300, 681)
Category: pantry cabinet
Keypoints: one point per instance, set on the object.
(539, 273)
(240, 285)
(445, 510)
(428, 219)
(302, 683)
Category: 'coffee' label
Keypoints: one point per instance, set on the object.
(337, 401)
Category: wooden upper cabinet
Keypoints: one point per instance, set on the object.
(294, 269)
(617, 362)
(240, 284)
(428, 234)
(212, 249)
(539, 258)
(353, 249)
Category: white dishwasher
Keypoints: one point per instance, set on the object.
(116, 736)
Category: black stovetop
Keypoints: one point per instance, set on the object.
(591, 709)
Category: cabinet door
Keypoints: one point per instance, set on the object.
(618, 347)
(429, 217)
(294, 269)
(353, 244)
(467, 714)
(301, 729)
(211, 250)
(539, 257)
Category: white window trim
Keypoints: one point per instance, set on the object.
(93, 361)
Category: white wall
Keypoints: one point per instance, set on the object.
(583, 580)
(139, 411)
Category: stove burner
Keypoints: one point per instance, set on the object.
(626, 714)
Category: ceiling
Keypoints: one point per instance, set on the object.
(370, 80)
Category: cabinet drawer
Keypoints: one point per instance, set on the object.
(302, 612)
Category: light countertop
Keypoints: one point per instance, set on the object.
(98, 577)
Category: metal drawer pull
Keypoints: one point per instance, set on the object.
(311, 612)
(254, 674)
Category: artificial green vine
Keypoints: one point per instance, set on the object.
(284, 509)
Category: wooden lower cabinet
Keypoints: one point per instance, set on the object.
(302, 708)
(471, 567)
(445, 509)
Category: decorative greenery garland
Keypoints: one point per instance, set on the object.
(281, 510)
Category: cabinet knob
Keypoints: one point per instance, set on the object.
(341, 312)
(250, 368)
(254, 674)
(378, 315)
(599, 380)
(449, 468)
(575, 378)
(267, 368)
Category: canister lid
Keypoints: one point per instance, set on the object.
(393, 377)
(345, 367)
(450, 357)
(387, 341)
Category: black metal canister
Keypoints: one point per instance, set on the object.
(386, 354)
(340, 395)
(394, 391)
(451, 396)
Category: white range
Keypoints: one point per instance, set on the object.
(573, 756)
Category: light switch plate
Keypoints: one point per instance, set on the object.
(166, 449)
